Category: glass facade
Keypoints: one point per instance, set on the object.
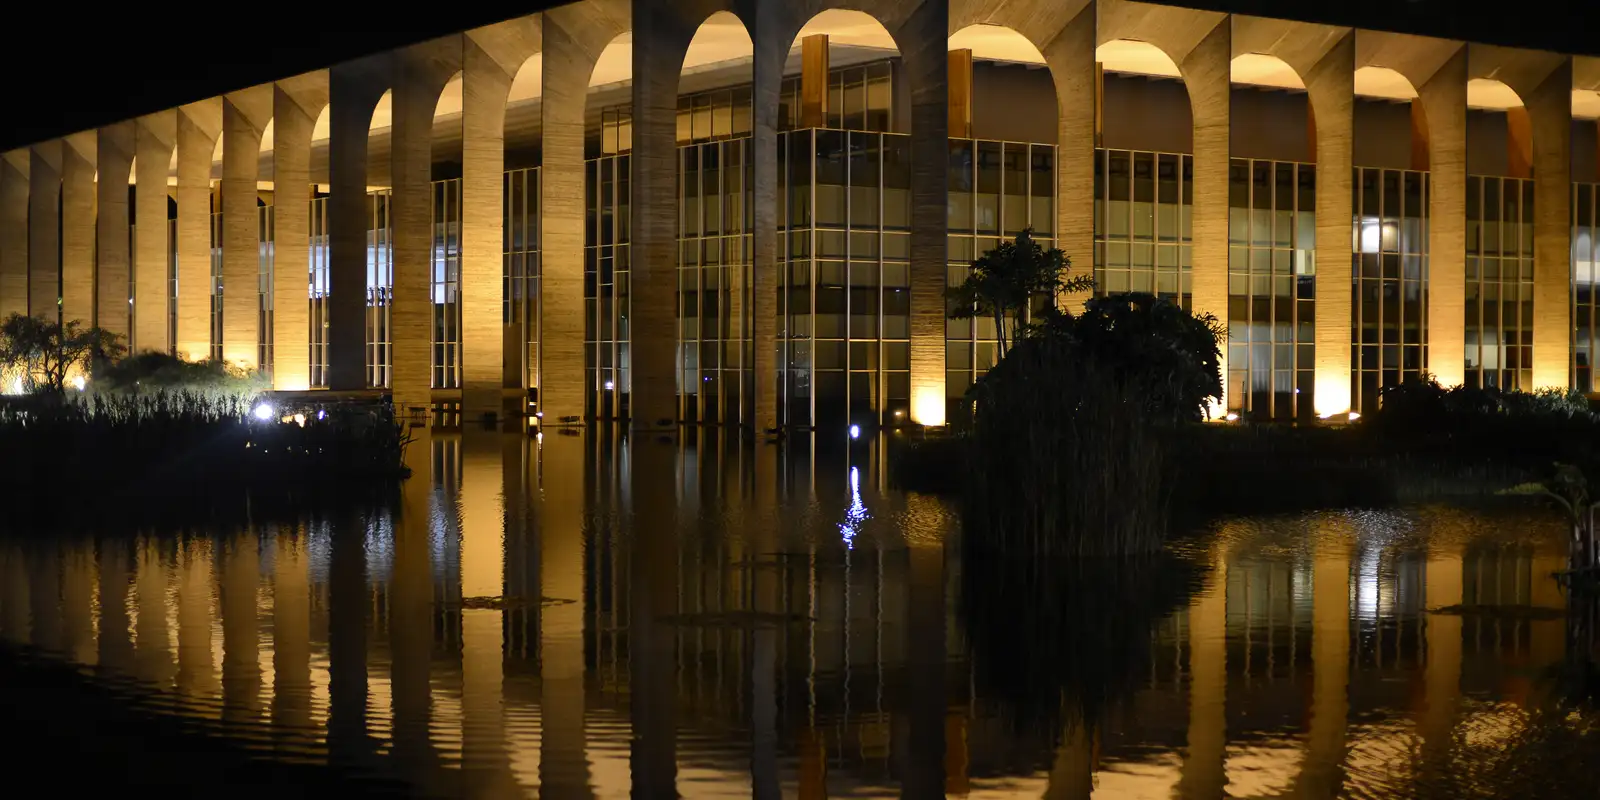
(1585, 284)
(844, 219)
(216, 281)
(714, 349)
(996, 191)
(605, 285)
(264, 290)
(522, 269)
(1499, 282)
(380, 287)
(318, 291)
(445, 287)
(1389, 300)
(860, 98)
(1143, 223)
(1271, 288)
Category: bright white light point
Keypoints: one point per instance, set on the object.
(16, 386)
(610, 386)
(322, 414)
(264, 412)
(855, 431)
(78, 382)
(1355, 415)
(1232, 417)
(300, 419)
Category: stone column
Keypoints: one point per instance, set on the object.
(1070, 56)
(354, 89)
(154, 139)
(771, 40)
(573, 37)
(44, 231)
(245, 115)
(1444, 102)
(1207, 72)
(108, 282)
(1330, 87)
(660, 37)
(923, 37)
(199, 125)
(14, 233)
(1204, 771)
(1550, 111)
(78, 158)
(295, 105)
(420, 74)
(490, 58)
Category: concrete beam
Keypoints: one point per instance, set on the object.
(354, 89)
(420, 74)
(78, 158)
(155, 137)
(199, 125)
(295, 105)
(14, 233)
(491, 58)
(44, 231)
(245, 115)
(116, 151)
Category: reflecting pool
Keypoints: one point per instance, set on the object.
(585, 616)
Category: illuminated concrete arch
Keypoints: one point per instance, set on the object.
(1323, 57)
(199, 127)
(573, 39)
(421, 74)
(1063, 35)
(155, 140)
(1200, 44)
(492, 57)
(1437, 69)
(245, 117)
(1542, 132)
(298, 104)
(79, 157)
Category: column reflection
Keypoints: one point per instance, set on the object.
(152, 634)
(291, 639)
(115, 634)
(411, 616)
(197, 677)
(1204, 773)
(485, 760)
(239, 574)
(564, 769)
(652, 594)
(1323, 772)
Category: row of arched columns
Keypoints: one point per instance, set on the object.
(53, 218)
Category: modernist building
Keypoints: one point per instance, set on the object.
(747, 212)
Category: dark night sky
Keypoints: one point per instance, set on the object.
(56, 85)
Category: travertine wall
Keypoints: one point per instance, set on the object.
(353, 92)
(155, 138)
(78, 156)
(420, 74)
(199, 125)
(295, 106)
(116, 151)
(14, 233)
(245, 115)
(44, 231)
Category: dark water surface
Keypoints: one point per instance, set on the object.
(581, 617)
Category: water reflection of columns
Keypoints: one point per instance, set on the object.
(485, 757)
(1322, 774)
(115, 633)
(925, 663)
(348, 599)
(1442, 671)
(563, 760)
(1547, 638)
(152, 636)
(44, 594)
(652, 593)
(239, 574)
(411, 616)
(1204, 764)
(291, 638)
(766, 593)
(78, 581)
(197, 675)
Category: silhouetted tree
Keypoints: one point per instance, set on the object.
(41, 354)
(1007, 280)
